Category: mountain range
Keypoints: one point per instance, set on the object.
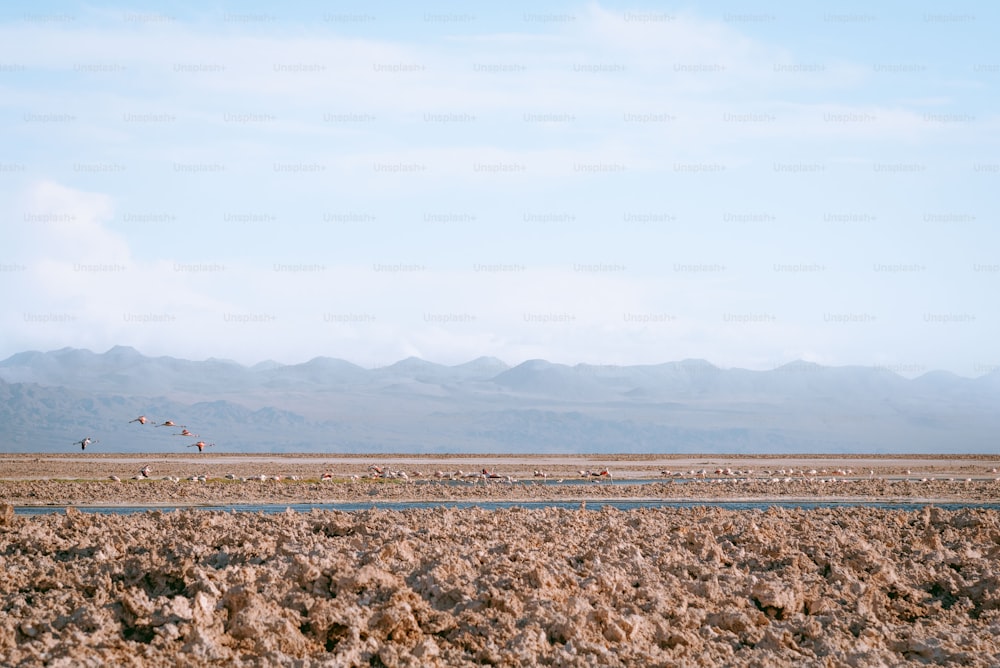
(48, 400)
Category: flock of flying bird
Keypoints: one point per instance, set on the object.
(142, 420)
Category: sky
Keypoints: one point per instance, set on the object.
(599, 182)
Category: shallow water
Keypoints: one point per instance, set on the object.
(495, 505)
(553, 482)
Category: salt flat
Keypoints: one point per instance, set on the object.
(847, 586)
(221, 478)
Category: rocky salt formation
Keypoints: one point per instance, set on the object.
(444, 587)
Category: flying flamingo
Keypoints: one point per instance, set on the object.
(201, 445)
(185, 432)
(170, 423)
(145, 471)
(84, 443)
(142, 419)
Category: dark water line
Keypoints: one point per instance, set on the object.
(559, 481)
(593, 505)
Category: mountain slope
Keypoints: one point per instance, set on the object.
(49, 400)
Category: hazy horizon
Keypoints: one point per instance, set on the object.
(899, 370)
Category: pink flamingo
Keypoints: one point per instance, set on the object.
(201, 445)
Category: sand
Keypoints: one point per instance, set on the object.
(698, 586)
(27, 480)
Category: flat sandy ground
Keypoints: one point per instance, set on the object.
(100, 465)
(86, 479)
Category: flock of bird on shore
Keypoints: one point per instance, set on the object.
(143, 420)
(485, 475)
(374, 471)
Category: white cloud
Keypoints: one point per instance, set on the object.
(61, 223)
(592, 71)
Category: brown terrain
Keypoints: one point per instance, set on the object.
(851, 585)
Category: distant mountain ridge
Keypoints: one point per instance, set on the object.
(329, 404)
(123, 368)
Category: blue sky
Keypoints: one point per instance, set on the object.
(606, 182)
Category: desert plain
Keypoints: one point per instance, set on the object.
(904, 569)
